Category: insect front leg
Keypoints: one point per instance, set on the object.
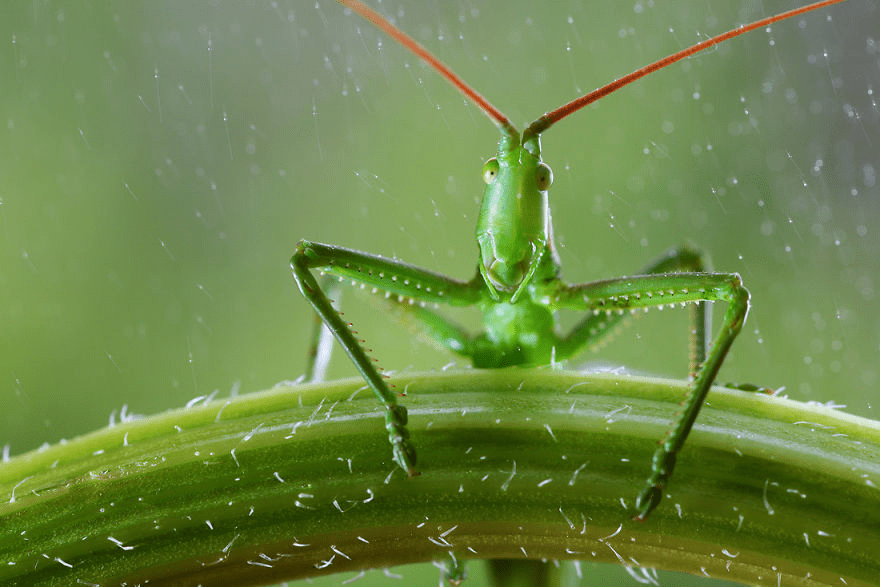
(393, 277)
(630, 294)
(600, 323)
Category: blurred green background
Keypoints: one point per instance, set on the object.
(160, 160)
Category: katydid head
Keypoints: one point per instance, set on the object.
(513, 230)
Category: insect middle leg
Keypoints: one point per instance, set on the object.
(394, 278)
(628, 294)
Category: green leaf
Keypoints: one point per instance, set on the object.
(298, 482)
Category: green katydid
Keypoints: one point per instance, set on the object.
(517, 284)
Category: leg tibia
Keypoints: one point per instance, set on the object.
(663, 462)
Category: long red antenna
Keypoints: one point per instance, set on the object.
(550, 118)
(380, 21)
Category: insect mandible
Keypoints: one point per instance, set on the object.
(517, 285)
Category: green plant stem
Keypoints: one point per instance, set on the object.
(298, 481)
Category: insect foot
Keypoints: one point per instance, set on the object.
(647, 500)
(661, 468)
(398, 435)
(455, 573)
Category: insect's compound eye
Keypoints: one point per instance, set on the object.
(490, 170)
(543, 177)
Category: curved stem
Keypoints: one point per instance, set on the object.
(298, 481)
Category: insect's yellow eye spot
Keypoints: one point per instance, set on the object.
(490, 170)
(543, 177)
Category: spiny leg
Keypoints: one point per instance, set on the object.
(321, 343)
(645, 291)
(687, 259)
(663, 461)
(394, 278)
(594, 327)
(454, 571)
(439, 329)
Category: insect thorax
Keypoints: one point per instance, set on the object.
(516, 334)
